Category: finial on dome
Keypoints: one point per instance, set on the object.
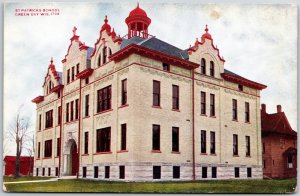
(206, 29)
(51, 61)
(74, 30)
(138, 5)
(105, 20)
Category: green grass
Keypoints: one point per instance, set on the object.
(224, 186)
(25, 178)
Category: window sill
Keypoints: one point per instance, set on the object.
(85, 117)
(248, 156)
(213, 116)
(56, 157)
(248, 122)
(48, 128)
(235, 120)
(71, 122)
(158, 107)
(85, 155)
(47, 158)
(176, 110)
(38, 159)
(235, 155)
(203, 153)
(214, 154)
(203, 115)
(58, 125)
(123, 106)
(155, 151)
(97, 153)
(103, 112)
(121, 151)
(175, 152)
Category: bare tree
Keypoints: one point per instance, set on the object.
(19, 133)
(30, 152)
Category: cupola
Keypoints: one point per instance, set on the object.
(105, 26)
(206, 35)
(138, 23)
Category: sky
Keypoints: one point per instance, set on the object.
(258, 42)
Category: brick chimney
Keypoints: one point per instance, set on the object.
(279, 108)
(263, 108)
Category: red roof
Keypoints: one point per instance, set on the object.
(138, 12)
(13, 158)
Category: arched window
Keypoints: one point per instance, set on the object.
(110, 52)
(99, 60)
(104, 52)
(203, 66)
(212, 69)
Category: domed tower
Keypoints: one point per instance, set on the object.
(138, 23)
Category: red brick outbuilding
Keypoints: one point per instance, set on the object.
(26, 165)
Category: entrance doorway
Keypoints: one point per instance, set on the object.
(73, 159)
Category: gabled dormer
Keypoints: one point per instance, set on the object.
(206, 54)
(52, 80)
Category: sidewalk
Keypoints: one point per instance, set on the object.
(50, 180)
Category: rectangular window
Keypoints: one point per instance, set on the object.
(49, 119)
(166, 67)
(76, 109)
(175, 139)
(236, 172)
(155, 137)
(48, 148)
(123, 136)
(203, 141)
(67, 112)
(175, 97)
(104, 99)
(103, 140)
(68, 76)
(212, 142)
(40, 122)
(49, 171)
(247, 112)
(86, 142)
(176, 172)
(39, 149)
(104, 52)
(56, 171)
(86, 80)
(58, 147)
(43, 172)
(212, 69)
(156, 93)
(203, 102)
(96, 172)
(212, 105)
(290, 161)
(37, 171)
(77, 68)
(59, 115)
(84, 172)
(248, 146)
(106, 172)
(234, 109)
(156, 172)
(87, 99)
(124, 92)
(204, 172)
(214, 172)
(235, 144)
(249, 172)
(73, 73)
(122, 172)
(72, 110)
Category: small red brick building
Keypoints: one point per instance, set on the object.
(279, 145)
(26, 165)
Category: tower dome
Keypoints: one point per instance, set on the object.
(138, 23)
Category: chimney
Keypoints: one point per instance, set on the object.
(279, 108)
(263, 108)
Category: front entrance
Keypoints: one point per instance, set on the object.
(73, 159)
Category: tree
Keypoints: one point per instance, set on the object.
(20, 134)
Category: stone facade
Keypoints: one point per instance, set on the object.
(140, 66)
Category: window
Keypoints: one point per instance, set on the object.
(58, 94)
(86, 80)
(123, 137)
(73, 74)
(122, 172)
(247, 145)
(76, 109)
(124, 92)
(43, 172)
(104, 52)
(247, 112)
(156, 172)
(264, 163)
(290, 161)
(99, 60)
(203, 66)
(234, 109)
(40, 122)
(235, 144)
(104, 99)
(110, 52)
(176, 172)
(48, 148)
(49, 119)
(240, 87)
(67, 112)
(84, 172)
(203, 102)
(236, 172)
(58, 147)
(212, 105)
(56, 171)
(37, 171)
(77, 68)
(96, 171)
(204, 172)
(106, 172)
(166, 67)
(59, 115)
(263, 148)
(212, 69)
(203, 141)
(39, 150)
(156, 93)
(214, 172)
(68, 76)
(212, 142)
(72, 110)
(87, 99)
(249, 172)
(86, 142)
(175, 139)
(155, 137)
(175, 97)
(49, 171)
(103, 140)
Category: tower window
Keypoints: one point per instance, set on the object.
(166, 67)
(212, 69)
(203, 66)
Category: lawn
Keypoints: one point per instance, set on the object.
(224, 186)
(25, 178)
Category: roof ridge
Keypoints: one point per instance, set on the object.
(145, 40)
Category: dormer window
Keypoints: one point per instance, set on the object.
(240, 87)
(104, 52)
(203, 66)
(166, 67)
(99, 60)
(212, 69)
